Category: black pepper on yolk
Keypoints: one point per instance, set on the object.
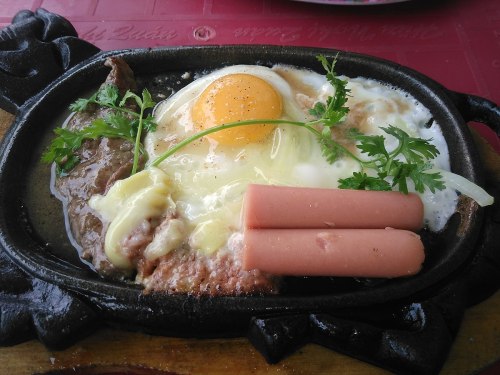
(237, 97)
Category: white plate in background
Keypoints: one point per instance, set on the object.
(353, 2)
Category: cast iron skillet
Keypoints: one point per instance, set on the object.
(306, 302)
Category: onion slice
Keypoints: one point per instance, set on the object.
(465, 187)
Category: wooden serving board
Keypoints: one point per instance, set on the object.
(109, 351)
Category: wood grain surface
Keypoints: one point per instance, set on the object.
(110, 351)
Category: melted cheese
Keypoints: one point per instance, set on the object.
(129, 202)
(209, 236)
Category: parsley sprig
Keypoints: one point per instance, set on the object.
(332, 113)
(410, 160)
(335, 109)
(121, 122)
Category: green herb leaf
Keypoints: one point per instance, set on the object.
(361, 181)
(61, 150)
(112, 126)
(400, 173)
(108, 95)
(149, 123)
(415, 150)
(79, 106)
(335, 110)
(421, 178)
(147, 101)
(330, 149)
(408, 161)
(372, 145)
(130, 95)
(318, 110)
(121, 122)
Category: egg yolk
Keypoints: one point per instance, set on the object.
(237, 97)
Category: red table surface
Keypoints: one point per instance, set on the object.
(456, 42)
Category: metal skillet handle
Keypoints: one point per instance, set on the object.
(475, 108)
(482, 276)
(36, 49)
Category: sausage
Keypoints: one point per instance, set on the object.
(268, 206)
(384, 253)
